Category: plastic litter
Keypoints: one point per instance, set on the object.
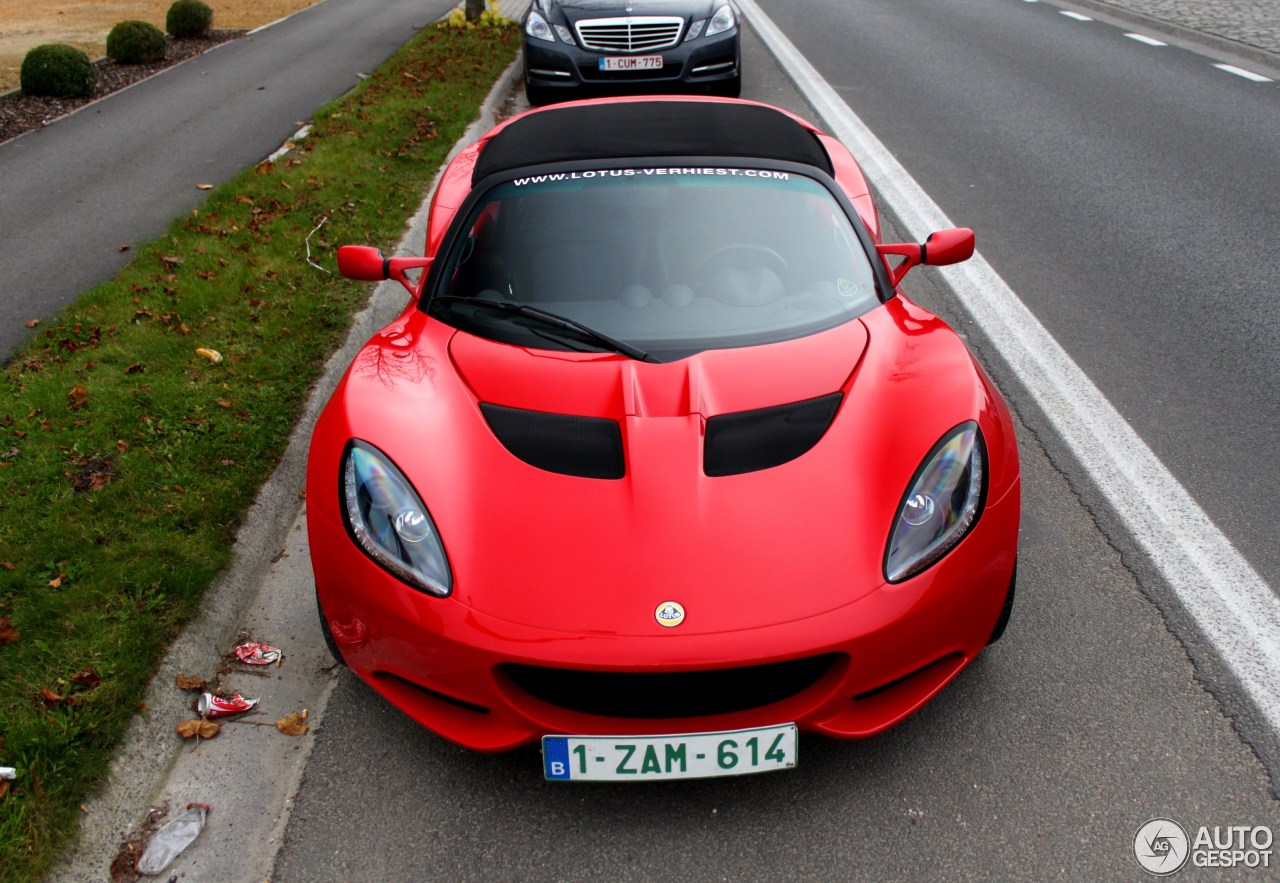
(257, 654)
(172, 838)
(8, 772)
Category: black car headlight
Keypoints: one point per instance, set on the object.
(721, 20)
(389, 523)
(941, 505)
(536, 26)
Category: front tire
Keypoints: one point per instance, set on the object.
(728, 88)
(328, 635)
(1006, 612)
(537, 96)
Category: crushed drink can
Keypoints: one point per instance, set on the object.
(257, 654)
(211, 705)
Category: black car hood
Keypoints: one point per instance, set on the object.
(576, 10)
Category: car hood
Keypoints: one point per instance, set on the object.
(596, 555)
(576, 10)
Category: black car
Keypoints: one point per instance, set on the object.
(571, 46)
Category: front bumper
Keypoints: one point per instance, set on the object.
(494, 685)
(702, 61)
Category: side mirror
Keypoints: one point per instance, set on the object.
(941, 248)
(367, 264)
(362, 263)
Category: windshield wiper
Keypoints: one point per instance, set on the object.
(552, 320)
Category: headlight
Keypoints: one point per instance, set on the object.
(536, 26)
(941, 505)
(721, 21)
(388, 521)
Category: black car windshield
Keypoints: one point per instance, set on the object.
(671, 261)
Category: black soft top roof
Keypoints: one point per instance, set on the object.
(638, 129)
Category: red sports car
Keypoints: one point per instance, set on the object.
(658, 466)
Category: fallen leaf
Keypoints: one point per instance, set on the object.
(292, 725)
(4, 788)
(78, 397)
(191, 682)
(8, 565)
(198, 728)
(90, 473)
(56, 582)
(212, 355)
(8, 634)
(223, 403)
(204, 186)
(88, 678)
(172, 261)
(50, 698)
(31, 323)
(122, 445)
(123, 248)
(135, 368)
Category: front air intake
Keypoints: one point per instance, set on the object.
(673, 694)
(584, 447)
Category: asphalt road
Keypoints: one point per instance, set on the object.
(1040, 762)
(73, 193)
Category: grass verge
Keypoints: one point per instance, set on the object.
(138, 425)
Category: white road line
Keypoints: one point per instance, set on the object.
(1241, 72)
(1236, 610)
(1077, 16)
(1143, 38)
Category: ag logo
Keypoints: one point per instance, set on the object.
(1161, 847)
(669, 614)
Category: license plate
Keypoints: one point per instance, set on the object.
(683, 756)
(631, 63)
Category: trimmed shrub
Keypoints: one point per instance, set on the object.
(188, 18)
(57, 70)
(135, 42)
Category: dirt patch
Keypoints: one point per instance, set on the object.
(25, 24)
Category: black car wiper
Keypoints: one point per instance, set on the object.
(553, 320)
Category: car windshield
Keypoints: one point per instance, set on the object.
(671, 261)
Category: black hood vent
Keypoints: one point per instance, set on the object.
(584, 447)
(750, 441)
